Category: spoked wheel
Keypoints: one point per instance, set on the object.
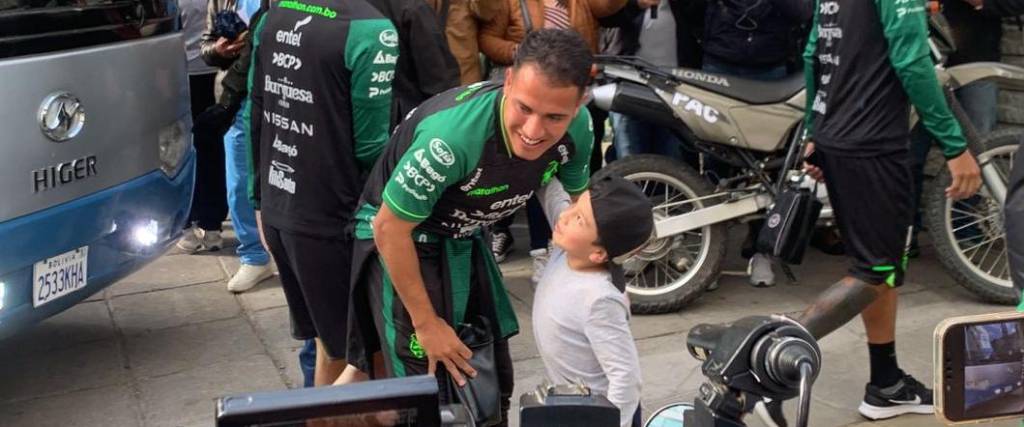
(969, 234)
(671, 271)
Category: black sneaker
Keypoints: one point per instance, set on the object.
(501, 245)
(908, 396)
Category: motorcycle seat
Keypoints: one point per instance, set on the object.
(745, 90)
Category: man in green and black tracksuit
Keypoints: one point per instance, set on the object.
(865, 60)
(320, 84)
(462, 160)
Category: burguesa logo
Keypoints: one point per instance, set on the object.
(388, 38)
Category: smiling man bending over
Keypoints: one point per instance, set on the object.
(462, 160)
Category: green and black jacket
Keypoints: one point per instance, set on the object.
(864, 60)
(320, 87)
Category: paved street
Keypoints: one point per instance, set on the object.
(158, 347)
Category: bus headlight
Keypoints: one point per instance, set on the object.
(174, 140)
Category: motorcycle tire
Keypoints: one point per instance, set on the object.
(664, 254)
(968, 258)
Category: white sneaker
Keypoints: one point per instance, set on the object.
(249, 276)
(189, 241)
(761, 274)
(211, 240)
(196, 239)
(540, 261)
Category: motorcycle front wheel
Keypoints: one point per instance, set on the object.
(969, 235)
(672, 271)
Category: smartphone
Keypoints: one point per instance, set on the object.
(979, 368)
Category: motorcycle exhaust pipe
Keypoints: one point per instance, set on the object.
(604, 95)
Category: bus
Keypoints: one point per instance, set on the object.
(96, 158)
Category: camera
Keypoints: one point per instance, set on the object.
(979, 368)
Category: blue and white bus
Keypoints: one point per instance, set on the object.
(96, 161)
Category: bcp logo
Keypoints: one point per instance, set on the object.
(388, 38)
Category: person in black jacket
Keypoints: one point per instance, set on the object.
(1001, 8)
(425, 66)
(666, 38)
(752, 38)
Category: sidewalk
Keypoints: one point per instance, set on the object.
(158, 347)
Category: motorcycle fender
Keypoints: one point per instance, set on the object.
(1007, 76)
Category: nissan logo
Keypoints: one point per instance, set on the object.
(61, 116)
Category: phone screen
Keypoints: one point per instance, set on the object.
(993, 375)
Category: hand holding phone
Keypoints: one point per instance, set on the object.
(979, 363)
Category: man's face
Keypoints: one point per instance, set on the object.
(537, 112)
(576, 231)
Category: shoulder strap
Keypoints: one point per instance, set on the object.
(527, 22)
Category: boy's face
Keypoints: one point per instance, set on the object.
(576, 232)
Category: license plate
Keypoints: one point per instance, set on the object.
(59, 276)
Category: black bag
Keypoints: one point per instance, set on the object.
(787, 229)
(482, 394)
(227, 24)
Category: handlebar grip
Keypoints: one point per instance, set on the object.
(702, 340)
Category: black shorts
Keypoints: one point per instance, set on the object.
(872, 198)
(315, 277)
(395, 335)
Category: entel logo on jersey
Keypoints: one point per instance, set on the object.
(441, 152)
(293, 37)
(388, 38)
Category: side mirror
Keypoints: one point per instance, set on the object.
(669, 416)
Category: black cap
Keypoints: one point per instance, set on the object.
(624, 219)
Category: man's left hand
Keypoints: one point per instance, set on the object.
(966, 176)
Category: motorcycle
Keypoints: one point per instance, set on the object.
(756, 128)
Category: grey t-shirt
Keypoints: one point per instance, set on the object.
(581, 324)
(658, 37)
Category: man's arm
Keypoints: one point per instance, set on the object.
(607, 329)
(906, 30)
(810, 61)
(1001, 8)
(370, 83)
(419, 179)
(393, 237)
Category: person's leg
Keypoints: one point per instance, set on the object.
(243, 216)
(327, 370)
(980, 102)
(506, 377)
(323, 269)
(253, 256)
(307, 362)
(540, 230)
(501, 238)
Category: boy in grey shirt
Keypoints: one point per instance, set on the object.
(580, 313)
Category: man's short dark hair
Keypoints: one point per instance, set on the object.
(561, 55)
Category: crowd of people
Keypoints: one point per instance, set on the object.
(378, 150)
